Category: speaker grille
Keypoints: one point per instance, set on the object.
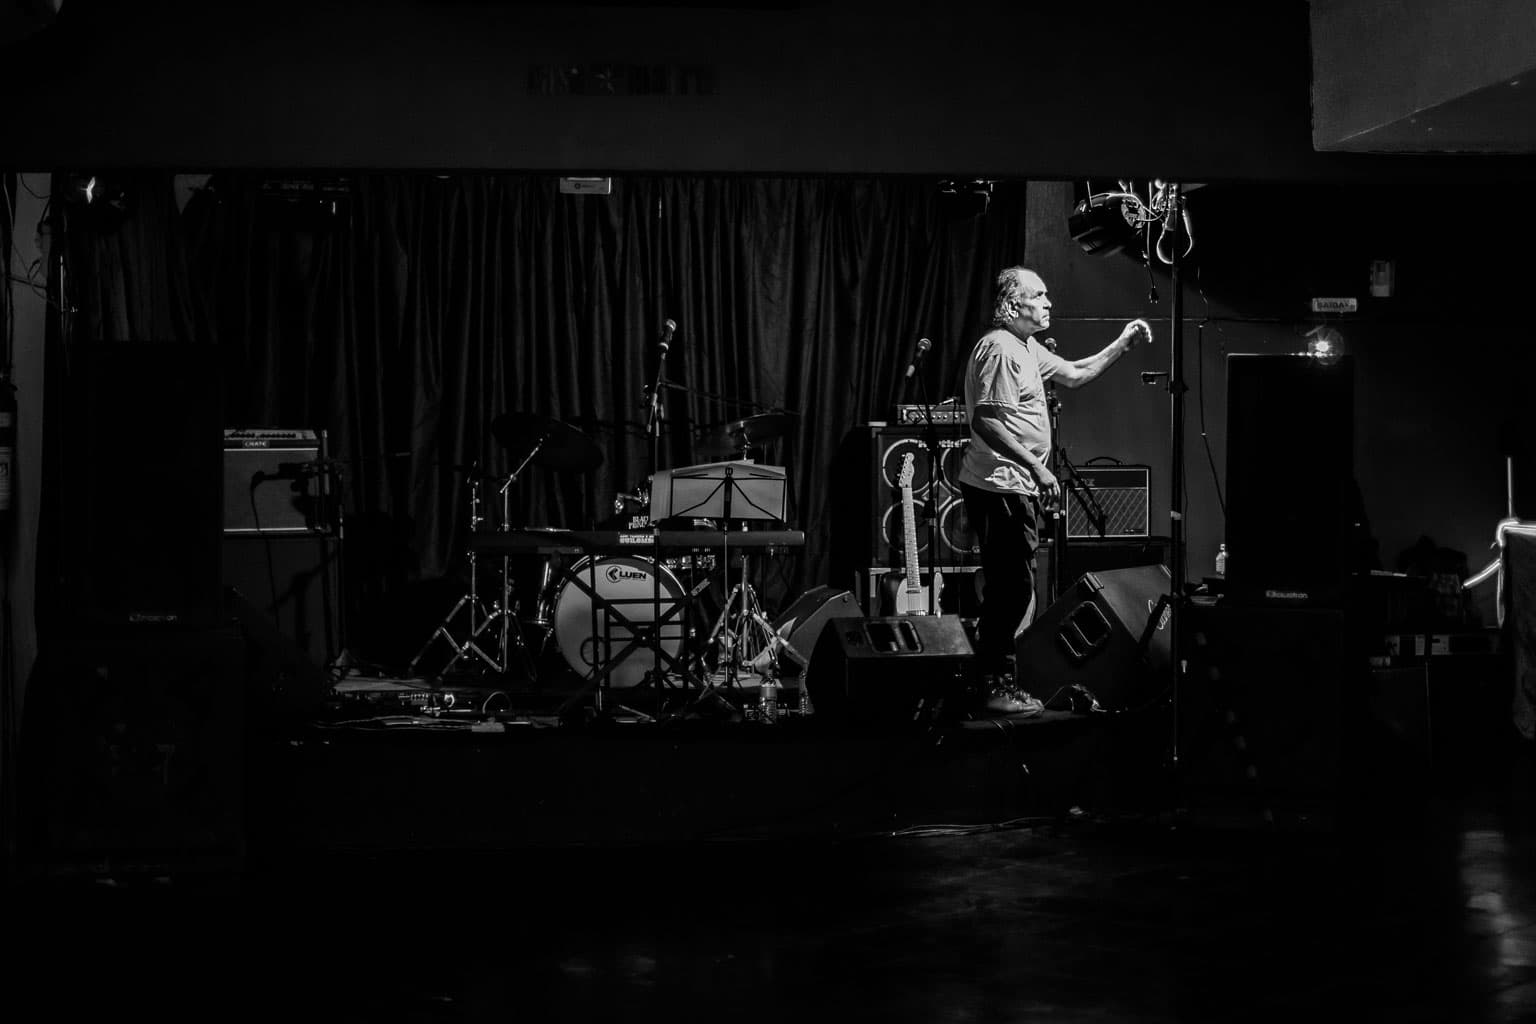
(261, 497)
(1122, 494)
(956, 541)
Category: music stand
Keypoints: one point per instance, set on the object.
(735, 491)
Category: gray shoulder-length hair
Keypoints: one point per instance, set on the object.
(1011, 288)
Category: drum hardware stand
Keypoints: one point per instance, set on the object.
(753, 634)
(502, 612)
(752, 626)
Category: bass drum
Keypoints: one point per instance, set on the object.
(629, 585)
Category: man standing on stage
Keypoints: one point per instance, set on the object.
(1004, 476)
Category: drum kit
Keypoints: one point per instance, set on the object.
(617, 618)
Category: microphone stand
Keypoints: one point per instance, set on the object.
(1058, 458)
(332, 516)
(654, 411)
(931, 506)
(653, 428)
(1066, 474)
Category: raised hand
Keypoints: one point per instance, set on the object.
(1136, 332)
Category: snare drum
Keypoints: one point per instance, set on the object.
(629, 583)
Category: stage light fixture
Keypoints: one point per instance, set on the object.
(1120, 220)
(1107, 223)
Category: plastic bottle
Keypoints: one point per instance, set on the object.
(769, 704)
(1221, 560)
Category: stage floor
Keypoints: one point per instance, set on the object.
(1429, 916)
(379, 862)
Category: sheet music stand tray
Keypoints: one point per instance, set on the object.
(733, 491)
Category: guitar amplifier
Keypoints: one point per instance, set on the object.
(265, 489)
(1122, 492)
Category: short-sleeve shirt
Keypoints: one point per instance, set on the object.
(1009, 375)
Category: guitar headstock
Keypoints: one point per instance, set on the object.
(904, 479)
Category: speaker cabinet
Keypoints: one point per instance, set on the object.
(1266, 699)
(1289, 513)
(888, 446)
(141, 485)
(134, 740)
(1082, 556)
(1091, 637)
(890, 670)
(292, 582)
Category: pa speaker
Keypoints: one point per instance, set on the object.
(1092, 637)
(142, 486)
(134, 742)
(887, 670)
(801, 623)
(1288, 545)
(1265, 704)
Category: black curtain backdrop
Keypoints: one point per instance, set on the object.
(405, 312)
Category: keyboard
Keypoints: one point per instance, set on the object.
(551, 541)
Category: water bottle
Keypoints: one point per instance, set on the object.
(1221, 560)
(769, 705)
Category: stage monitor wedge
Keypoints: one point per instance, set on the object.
(890, 671)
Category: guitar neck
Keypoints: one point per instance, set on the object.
(909, 535)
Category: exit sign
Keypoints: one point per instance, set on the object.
(1335, 305)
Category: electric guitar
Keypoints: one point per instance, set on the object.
(911, 597)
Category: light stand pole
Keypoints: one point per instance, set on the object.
(1176, 498)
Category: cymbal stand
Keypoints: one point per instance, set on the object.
(501, 613)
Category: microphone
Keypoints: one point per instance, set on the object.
(923, 345)
(667, 327)
(1049, 343)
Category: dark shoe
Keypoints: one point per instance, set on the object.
(1007, 700)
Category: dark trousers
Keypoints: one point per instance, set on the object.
(1008, 527)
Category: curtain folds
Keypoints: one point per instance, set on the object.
(406, 313)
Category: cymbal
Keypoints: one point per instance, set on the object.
(752, 432)
(559, 445)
